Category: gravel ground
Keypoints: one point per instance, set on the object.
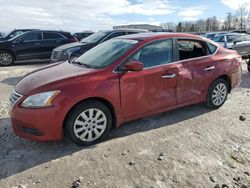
(188, 147)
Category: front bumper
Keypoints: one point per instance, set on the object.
(37, 124)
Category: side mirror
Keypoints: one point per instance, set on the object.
(134, 66)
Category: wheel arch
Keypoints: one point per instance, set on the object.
(102, 100)
(227, 79)
(11, 52)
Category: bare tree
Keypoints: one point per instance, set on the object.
(243, 13)
(169, 26)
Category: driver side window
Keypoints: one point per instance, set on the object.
(154, 54)
(31, 37)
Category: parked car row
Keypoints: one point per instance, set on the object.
(39, 44)
(239, 41)
(33, 44)
(125, 78)
(75, 50)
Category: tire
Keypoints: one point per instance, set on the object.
(248, 64)
(6, 58)
(79, 126)
(217, 94)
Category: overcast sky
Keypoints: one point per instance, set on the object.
(78, 15)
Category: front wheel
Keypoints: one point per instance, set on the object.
(217, 94)
(88, 123)
(248, 64)
(6, 58)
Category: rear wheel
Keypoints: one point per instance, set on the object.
(6, 58)
(88, 123)
(217, 94)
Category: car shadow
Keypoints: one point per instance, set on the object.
(18, 154)
(31, 62)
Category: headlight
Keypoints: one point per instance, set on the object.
(40, 100)
(69, 51)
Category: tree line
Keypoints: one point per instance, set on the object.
(240, 20)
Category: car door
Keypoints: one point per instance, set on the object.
(28, 46)
(154, 87)
(50, 41)
(239, 44)
(242, 45)
(197, 71)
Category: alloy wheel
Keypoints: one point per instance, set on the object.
(5, 58)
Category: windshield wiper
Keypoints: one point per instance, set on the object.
(82, 64)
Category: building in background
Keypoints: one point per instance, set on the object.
(139, 26)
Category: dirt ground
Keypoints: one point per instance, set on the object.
(188, 147)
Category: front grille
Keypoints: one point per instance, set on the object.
(14, 97)
(55, 54)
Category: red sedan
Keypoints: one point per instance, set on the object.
(120, 80)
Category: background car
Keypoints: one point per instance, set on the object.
(120, 80)
(74, 50)
(15, 33)
(211, 35)
(236, 41)
(35, 44)
(82, 35)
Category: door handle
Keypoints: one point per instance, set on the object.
(209, 68)
(37, 43)
(169, 76)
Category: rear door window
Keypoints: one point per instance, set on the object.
(246, 37)
(189, 49)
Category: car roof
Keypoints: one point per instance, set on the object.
(226, 34)
(159, 35)
(118, 30)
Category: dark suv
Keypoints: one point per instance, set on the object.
(74, 50)
(35, 44)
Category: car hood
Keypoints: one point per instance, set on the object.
(41, 79)
(73, 45)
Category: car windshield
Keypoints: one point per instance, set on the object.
(106, 53)
(15, 33)
(95, 37)
(210, 35)
(220, 38)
